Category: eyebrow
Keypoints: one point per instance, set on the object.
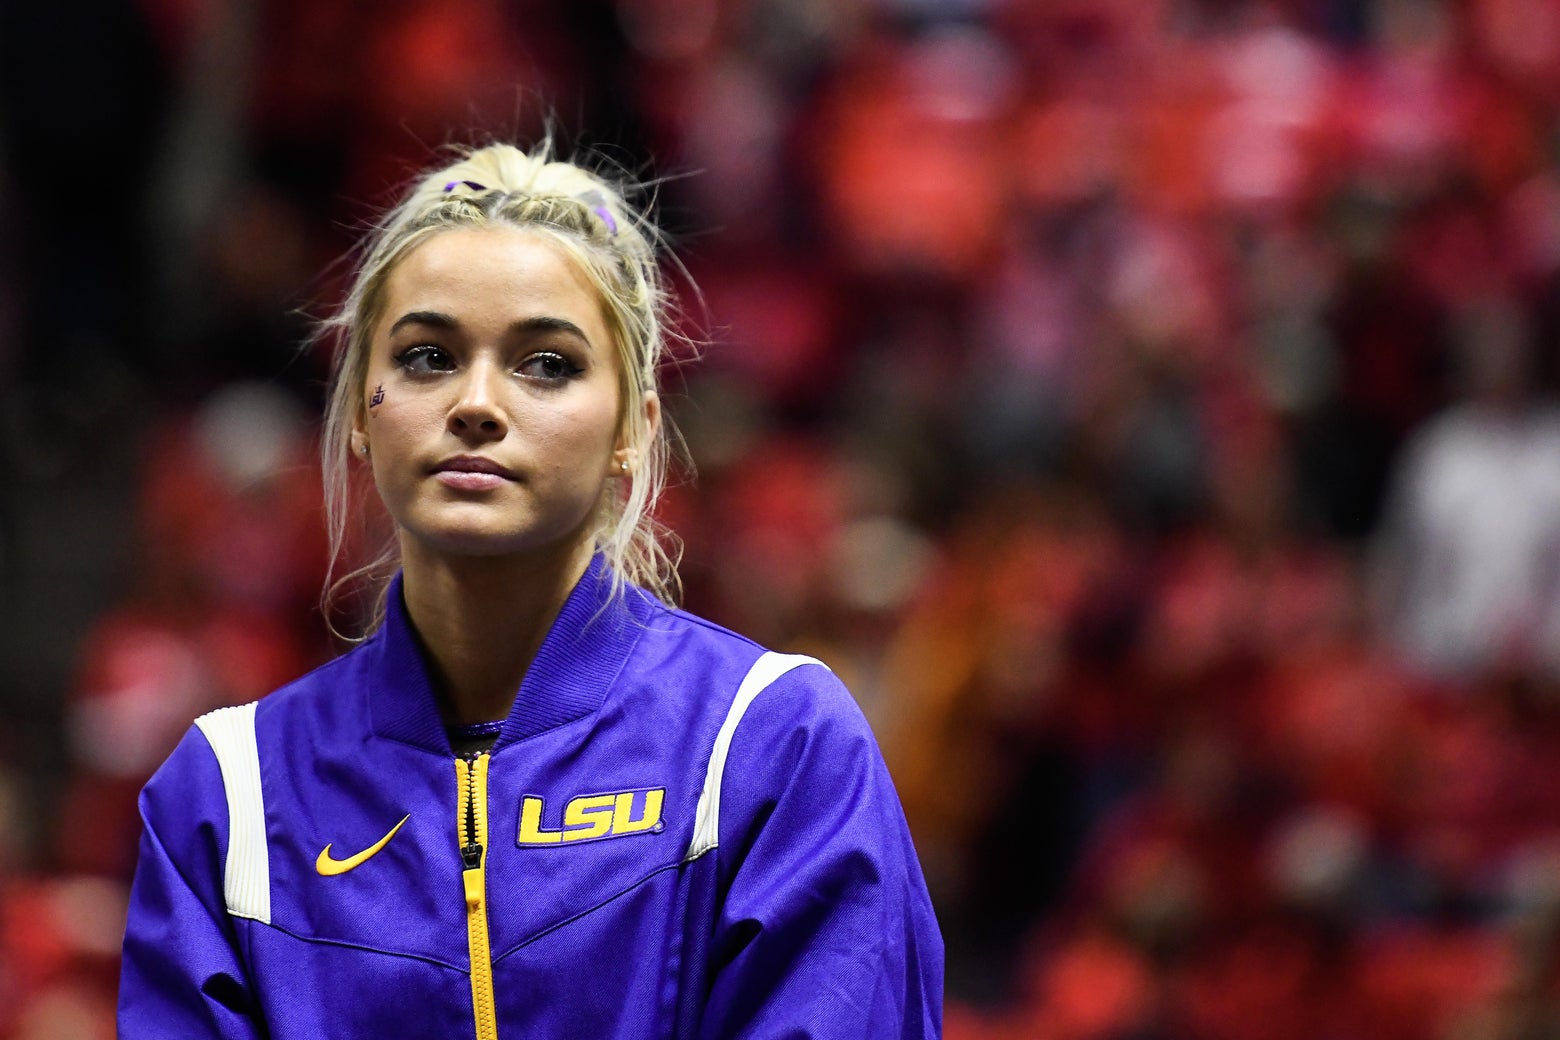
(539, 323)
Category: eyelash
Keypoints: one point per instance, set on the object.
(418, 361)
(569, 368)
(410, 358)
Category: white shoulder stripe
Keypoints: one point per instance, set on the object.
(768, 668)
(246, 880)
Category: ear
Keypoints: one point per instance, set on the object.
(624, 458)
(359, 437)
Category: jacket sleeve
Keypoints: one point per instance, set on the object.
(825, 929)
(181, 973)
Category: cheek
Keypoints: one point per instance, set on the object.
(578, 445)
(399, 414)
(599, 428)
(587, 423)
(381, 399)
(398, 428)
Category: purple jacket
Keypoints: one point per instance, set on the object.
(676, 835)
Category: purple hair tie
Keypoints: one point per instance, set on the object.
(473, 185)
(598, 206)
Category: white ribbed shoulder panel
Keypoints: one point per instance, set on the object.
(768, 668)
(246, 878)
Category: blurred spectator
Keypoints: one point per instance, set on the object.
(1469, 555)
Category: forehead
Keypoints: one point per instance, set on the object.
(489, 278)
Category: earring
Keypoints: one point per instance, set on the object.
(365, 449)
(623, 465)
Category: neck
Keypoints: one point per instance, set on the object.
(482, 620)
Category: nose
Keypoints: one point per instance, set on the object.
(477, 413)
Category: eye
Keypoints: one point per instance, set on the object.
(549, 367)
(425, 358)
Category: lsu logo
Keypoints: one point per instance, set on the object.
(591, 817)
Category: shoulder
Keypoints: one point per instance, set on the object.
(219, 734)
(779, 708)
(801, 718)
(324, 681)
(325, 705)
(658, 617)
(786, 707)
(752, 674)
(796, 766)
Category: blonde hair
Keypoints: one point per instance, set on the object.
(614, 244)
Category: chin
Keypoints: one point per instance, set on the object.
(468, 541)
(494, 540)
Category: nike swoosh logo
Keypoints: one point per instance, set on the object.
(329, 866)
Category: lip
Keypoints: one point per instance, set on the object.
(473, 464)
(472, 473)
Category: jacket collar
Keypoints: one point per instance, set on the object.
(575, 666)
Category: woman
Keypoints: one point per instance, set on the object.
(537, 801)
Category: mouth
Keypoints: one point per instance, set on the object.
(472, 473)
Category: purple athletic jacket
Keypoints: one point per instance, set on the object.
(676, 835)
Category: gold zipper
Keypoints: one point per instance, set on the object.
(471, 777)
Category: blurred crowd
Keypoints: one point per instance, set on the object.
(1147, 406)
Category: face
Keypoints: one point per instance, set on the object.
(491, 403)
